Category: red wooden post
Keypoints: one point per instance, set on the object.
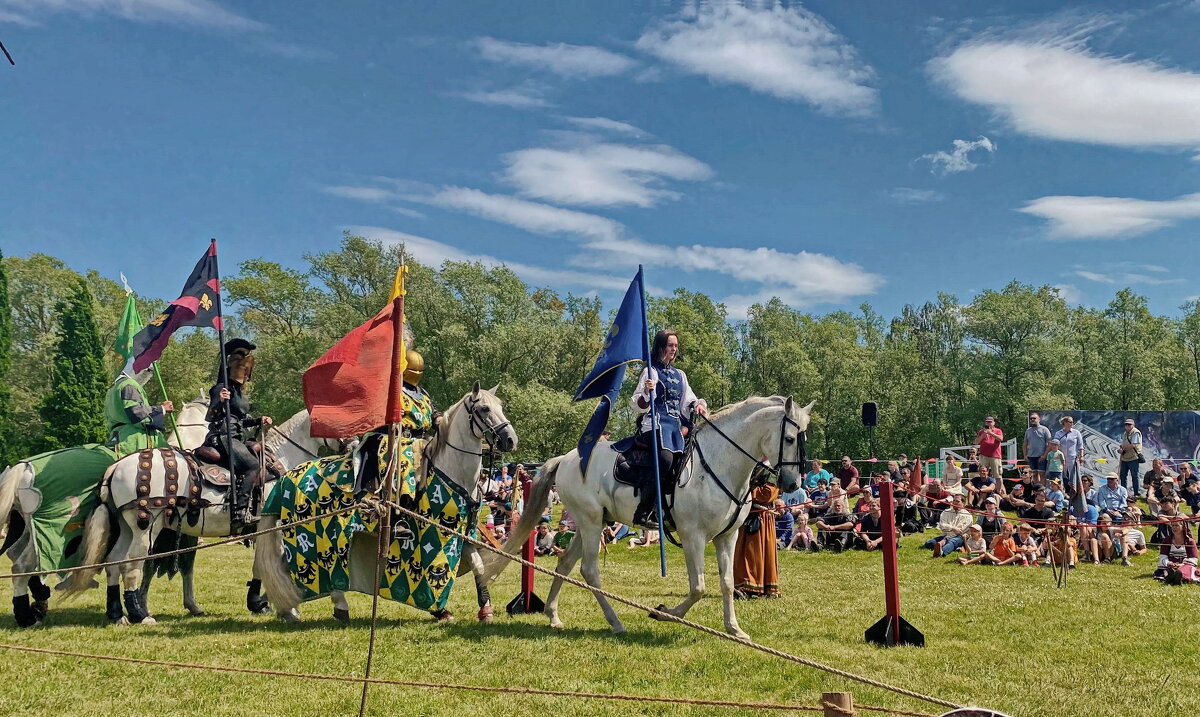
(526, 601)
(891, 630)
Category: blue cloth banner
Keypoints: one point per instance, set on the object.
(623, 345)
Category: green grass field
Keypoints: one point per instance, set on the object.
(1113, 642)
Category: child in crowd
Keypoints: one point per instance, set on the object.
(784, 524)
(1111, 541)
(975, 546)
(1026, 545)
(802, 537)
(1004, 548)
(991, 521)
(1055, 495)
(1054, 462)
(818, 499)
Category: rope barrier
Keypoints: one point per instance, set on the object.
(663, 615)
(181, 551)
(449, 686)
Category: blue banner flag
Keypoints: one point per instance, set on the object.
(622, 346)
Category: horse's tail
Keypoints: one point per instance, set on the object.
(95, 547)
(269, 567)
(535, 505)
(8, 492)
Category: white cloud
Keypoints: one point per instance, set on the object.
(911, 195)
(362, 194)
(959, 158)
(203, 13)
(605, 124)
(434, 253)
(560, 58)
(601, 174)
(1110, 217)
(522, 98)
(1126, 274)
(530, 216)
(1069, 293)
(1058, 89)
(789, 53)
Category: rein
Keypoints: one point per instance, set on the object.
(288, 438)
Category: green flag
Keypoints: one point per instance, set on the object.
(129, 326)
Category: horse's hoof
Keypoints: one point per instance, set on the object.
(148, 621)
(197, 612)
(444, 617)
(557, 625)
(342, 616)
(39, 608)
(618, 629)
(291, 617)
(121, 622)
(740, 635)
(485, 614)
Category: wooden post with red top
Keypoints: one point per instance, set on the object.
(526, 602)
(891, 630)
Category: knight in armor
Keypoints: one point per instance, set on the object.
(674, 403)
(133, 424)
(420, 417)
(224, 426)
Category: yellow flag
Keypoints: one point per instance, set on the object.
(398, 284)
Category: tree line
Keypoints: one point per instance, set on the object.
(936, 369)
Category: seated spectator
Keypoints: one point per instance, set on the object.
(543, 543)
(952, 476)
(1040, 513)
(1153, 480)
(847, 476)
(1158, 490)
(908, 519)
(1110, 541)
(785, 523)
(1177, 556)
(818, 500)
(953, 524)
(816, 475)
(644, 537)
(981, 487)
(1026, 544)
(802, 537)
(1028, 480)
(1112, 498)
(1089, 490)
(836, 526)
(1016, 498)
(991, 521)
(868, 531)
(1167, 509)
(1061, 544)
(1004, 548)
(562, 537)
(1056, 496)
(867, 494)
(974, 546)
(797, 502)
(1134, 539)
(931, 501)
(971, 469)
(615, 531)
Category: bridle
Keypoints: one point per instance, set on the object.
(774, 470)
(489, 433)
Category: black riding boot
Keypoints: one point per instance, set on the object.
(645, 515)
(242, 520)
(25, 615)
(41, 596)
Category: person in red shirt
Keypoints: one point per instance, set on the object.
(989, 439)
(848, 476)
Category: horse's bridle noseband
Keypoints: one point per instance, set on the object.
(487, 433)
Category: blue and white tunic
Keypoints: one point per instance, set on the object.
(674, 403)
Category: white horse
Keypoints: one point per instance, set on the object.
(457, 451)
(189, 427)
(19, 498)
(711, 502)
(119, 494)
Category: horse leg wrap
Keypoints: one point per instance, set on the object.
(113, 610)
(485, 598)
(255, 602)
(25, 615)
(133, 606)
(485, 614)
(41, 596)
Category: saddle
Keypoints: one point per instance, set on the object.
(214, 470)
(634, 465)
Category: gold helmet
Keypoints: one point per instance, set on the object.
(415, 368)
(240, 360)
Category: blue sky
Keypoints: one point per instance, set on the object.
(828, 153)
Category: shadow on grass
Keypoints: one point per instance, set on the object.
(542, 631)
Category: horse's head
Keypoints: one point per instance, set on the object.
(789, 456)
(488, 422)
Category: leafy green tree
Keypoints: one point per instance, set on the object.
(9, 447)
(73, 411)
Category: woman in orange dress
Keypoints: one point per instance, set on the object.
(755, 569)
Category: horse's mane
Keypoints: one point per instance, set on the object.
(274, 439)
(755, 403)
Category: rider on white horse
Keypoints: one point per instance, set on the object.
(133, 424)
(674, 404)
(226, 432)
